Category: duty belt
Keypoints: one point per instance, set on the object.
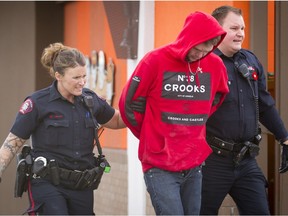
(237, 150)
(222, 147)
(65, 174)
(72, 179)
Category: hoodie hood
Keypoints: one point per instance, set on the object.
(194, 32)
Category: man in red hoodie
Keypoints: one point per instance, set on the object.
(182, 83)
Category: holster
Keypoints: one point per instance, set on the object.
(23, 171)
(248, 146)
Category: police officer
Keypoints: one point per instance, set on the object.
(233, 130)
(62, 127)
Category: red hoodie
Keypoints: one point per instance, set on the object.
(172, 131)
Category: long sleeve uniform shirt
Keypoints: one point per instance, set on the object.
(236, 119)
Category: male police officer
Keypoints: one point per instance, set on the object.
(233, 130)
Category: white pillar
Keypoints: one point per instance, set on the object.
(136, 185)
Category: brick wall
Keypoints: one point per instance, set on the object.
(111, 196)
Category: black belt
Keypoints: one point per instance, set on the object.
(72, 179)
(222, 147)
(238, 150)
(71, 175)
(64, 174)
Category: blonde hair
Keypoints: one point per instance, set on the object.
(57, 58)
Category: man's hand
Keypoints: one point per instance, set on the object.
(139, 105)
(284, 159)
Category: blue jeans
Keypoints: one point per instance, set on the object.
(174, 193)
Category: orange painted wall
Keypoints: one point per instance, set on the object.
(271, 36)
(86, 28)
(170, 17)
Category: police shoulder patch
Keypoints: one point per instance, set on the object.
(26, 107)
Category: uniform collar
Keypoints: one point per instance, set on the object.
(54, 93)
(218, 52)
(239, 54)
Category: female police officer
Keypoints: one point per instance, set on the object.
(62, 130)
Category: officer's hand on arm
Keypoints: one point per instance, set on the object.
(284, 157)
(139, 104)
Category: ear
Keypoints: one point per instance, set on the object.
(58, 76)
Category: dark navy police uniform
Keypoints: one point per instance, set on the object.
(234, 123)
(62, 131)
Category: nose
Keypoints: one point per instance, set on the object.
(201, 54)
(198, 55)
(241, 33)
(82, 81)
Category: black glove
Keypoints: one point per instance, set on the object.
(139, 104)
(284, 159)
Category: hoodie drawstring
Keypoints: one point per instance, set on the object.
(195, 74)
